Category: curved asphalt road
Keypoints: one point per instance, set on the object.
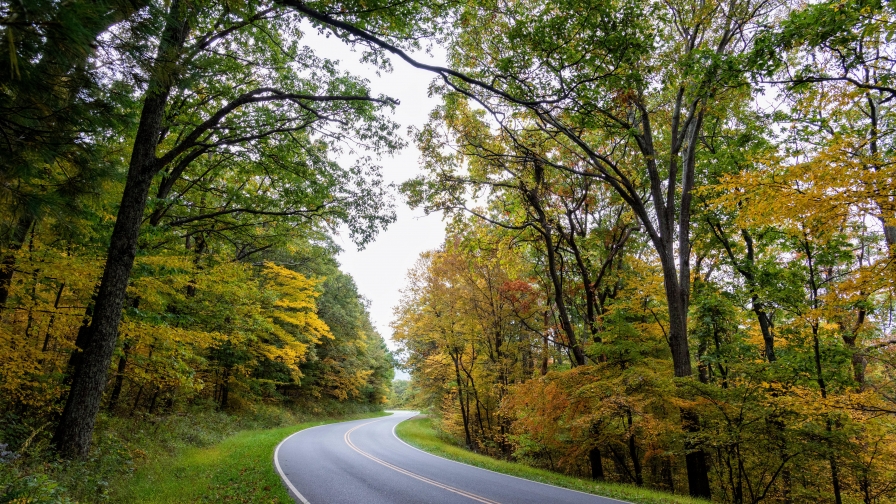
(363, 462)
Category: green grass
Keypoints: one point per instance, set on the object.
(236, 469)
(419, 432)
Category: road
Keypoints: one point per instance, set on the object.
(363, 462)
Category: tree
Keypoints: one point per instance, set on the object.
(57, 115)
(279, 102)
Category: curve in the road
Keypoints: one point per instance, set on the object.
(348, 441)
(364, 462)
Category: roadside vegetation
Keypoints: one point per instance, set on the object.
(672, 245)
(238, 468)
(168, 272)
(420, 433)
(197, 454)
(670, 258)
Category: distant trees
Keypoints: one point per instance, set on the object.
(402, 394)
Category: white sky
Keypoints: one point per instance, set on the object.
(379, 270)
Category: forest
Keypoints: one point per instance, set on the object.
(670, 249)
(671, 245)
(169, 199)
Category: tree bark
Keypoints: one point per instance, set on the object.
(225, 388)
(48, 334)
(119, 378)
(597, 465)
(464, 411)
(633, 451)
(546, 234)
(74, 433)
(8, 264)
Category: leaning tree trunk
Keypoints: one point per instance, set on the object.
(75, 430)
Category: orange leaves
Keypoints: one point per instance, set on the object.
(569, 412)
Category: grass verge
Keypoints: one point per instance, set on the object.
(237, 469)
(419, 432)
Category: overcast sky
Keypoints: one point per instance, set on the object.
(380, 269)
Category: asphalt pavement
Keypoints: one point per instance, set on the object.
(363, 462)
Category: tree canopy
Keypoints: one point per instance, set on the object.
(671, 229)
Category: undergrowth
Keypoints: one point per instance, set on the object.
(30, 471)
(419, 432)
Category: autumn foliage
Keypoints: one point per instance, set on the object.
(693, 204)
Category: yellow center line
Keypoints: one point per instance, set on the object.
(348, 441)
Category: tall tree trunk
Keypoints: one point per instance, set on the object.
(816, 349)
(597, 465)
(74, 433)
(119, 377)
(633, 450)
(464, 412)
(545, 345)
(47, 335)
(8, 263)
(765, 323)
(225, 388)
(137, 400)
(676, 274)
(152, 402)
(556, 281)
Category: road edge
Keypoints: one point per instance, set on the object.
(495, 472)
(289, 486)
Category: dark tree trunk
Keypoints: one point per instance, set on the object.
(74, 433)
(633, 451)
(119, 378)
(597, 464)
(47, 336)
(137, 400)
(695, 459)
(850, 338)
(765, 323)
(747, 271)
(666, 473)
(816, 348)
(677, 281)
(545, 346)
(464, 411)
(556, 281)
(81, 341)
(225, 379)
(152, 402)
(593, 304)
(8, 263)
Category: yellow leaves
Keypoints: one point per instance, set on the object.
(311, 326)
(295, 306)
(287, 279)
(343, 382)
(290, 353)
(143, 332)
(22, 366)
(306, 303)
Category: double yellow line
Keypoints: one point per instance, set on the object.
(348, 441)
